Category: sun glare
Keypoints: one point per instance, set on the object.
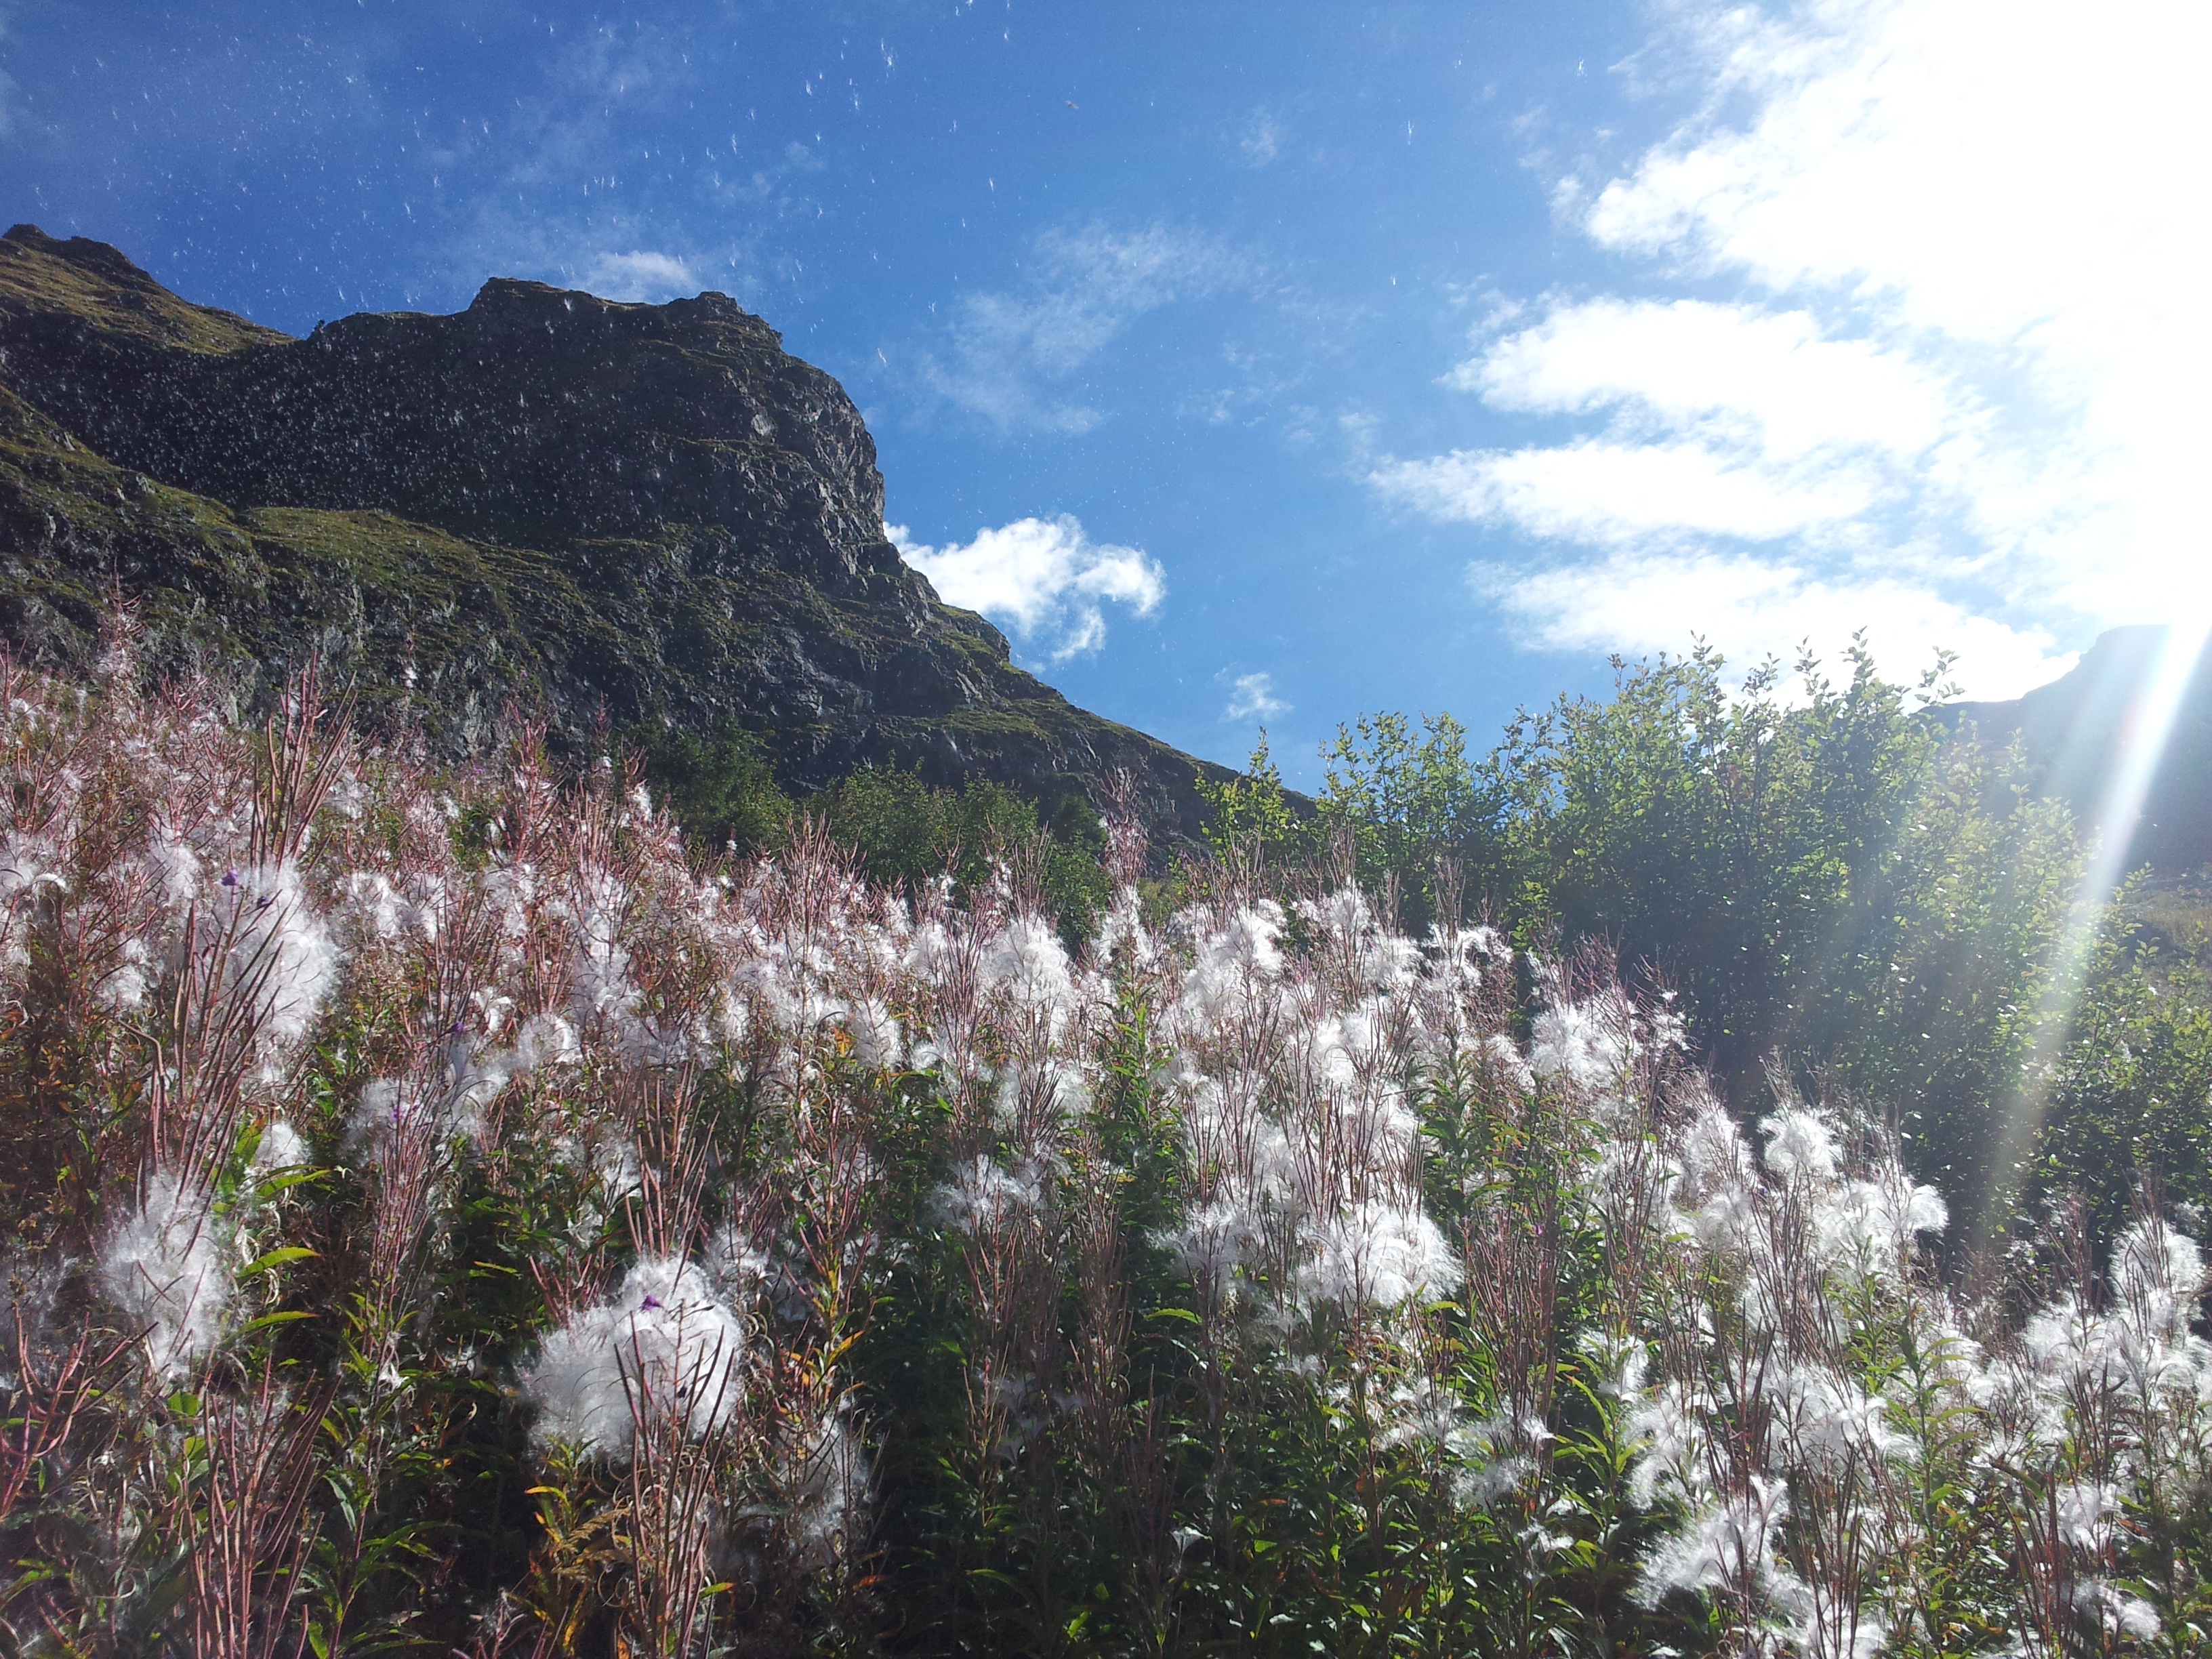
(2145, 731)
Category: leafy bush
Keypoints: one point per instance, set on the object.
(904, 832)
(2129, 1100)
(1831, 882)
(460, 1223)
(720, 786)
(723, 789)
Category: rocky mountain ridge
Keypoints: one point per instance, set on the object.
(591, 510)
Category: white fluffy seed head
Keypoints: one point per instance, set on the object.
(664, 1343)
(282, 956)
(1383, 1255)
(984, 1196)
(282, 1147)
(1799, 1146)
(165, 1266)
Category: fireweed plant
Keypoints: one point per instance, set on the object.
(449, 1217)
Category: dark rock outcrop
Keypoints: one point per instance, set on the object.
(2077, 732)
(586, 508)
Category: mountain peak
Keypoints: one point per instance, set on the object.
(586, 506)
(47, 283)
(102, 259)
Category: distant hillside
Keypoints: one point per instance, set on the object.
(548, 498)
(2075, 729)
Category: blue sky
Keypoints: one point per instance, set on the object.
(1274, 364)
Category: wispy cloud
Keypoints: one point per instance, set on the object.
(1010, 355)
(1044, 579)
(1261, 140)
(1955, 394)
(1624, 494)
(1252, 696)
(1642, 601)
(640, 275)
(574, 197)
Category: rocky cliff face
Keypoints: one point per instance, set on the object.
(549, 500)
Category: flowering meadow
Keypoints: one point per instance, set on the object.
(451, 1214)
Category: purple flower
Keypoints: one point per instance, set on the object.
(651, 1301)
(230, 878)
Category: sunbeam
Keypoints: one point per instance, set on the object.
(2145, 731)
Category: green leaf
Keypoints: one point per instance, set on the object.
(267, 1319)
(277, 1258)
(285, 1182)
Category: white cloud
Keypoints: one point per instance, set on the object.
(2005, 185)
(1252, 696)
(1010, 353)
(641, 275)
(1958, 383)
(1613, 493)
(1771, 381)
(1043, 579)
(1641, 603)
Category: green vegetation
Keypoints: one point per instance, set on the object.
(906, 832)
(1841, 892)
(720, 786)
(903, 831)
(2128, 1102)
(454, 1212)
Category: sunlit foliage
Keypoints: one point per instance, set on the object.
(457, 1215)
(1831, 881)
